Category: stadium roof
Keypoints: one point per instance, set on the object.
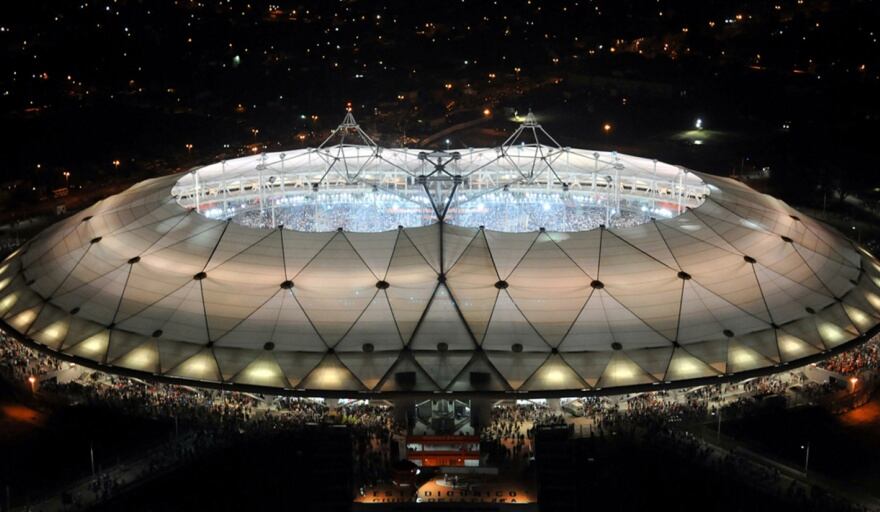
(738, 283)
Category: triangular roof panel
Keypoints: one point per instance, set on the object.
(554, 374)
(549, 289)
(50, 326)
(94, 347)
(411, 283)
(334, 289)
(582, 247)
(427, 240)
(655, 361)
(834, 326)
(472, 283)
(684, 366)
(201, 366)
(262, 371)
(508, 249)
(622, 371)
(369, 367)
(792, 347)
(375, 249)
(713, 353)
(762, 342)
(706, 316)
(648, 288)
(172, 353)
(331, 374)
(280, 321)
(474, 376)
(442, 324)
(123, 342)
(742, 357)
(647, 238)
(375, 327)
(516, 367)
(296, 365)
(455, 240)
(143, 358)
(443, 367)
(786, 299)
(589, 365)
(398, 377)
(605, 321)
(509, 327)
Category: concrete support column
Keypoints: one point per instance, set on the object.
(481, 414)
(555, 405)
(404, 411)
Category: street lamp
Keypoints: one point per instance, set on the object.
(806, 457)
(116, 163)
(699, 124)
(33, 382)
(606, 128)
(189, 148)
(66, 178)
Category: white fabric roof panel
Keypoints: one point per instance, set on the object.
(741, 282)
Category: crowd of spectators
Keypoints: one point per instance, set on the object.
(509, 436)
(208, 419)
(359, 212)
(508, 422)
(852, 362)
(377, 211)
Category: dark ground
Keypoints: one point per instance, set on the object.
(46, 444)
(845, 447)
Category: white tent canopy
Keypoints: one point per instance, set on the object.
(140, 282)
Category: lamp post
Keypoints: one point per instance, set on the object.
(66, 178)
(33, 382)
(806, 457)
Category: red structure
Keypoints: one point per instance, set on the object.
(432, 451)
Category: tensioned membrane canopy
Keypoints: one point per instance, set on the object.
(738, 282)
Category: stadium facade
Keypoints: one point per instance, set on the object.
(353, 270)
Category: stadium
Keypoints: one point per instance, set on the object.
(524, 270)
